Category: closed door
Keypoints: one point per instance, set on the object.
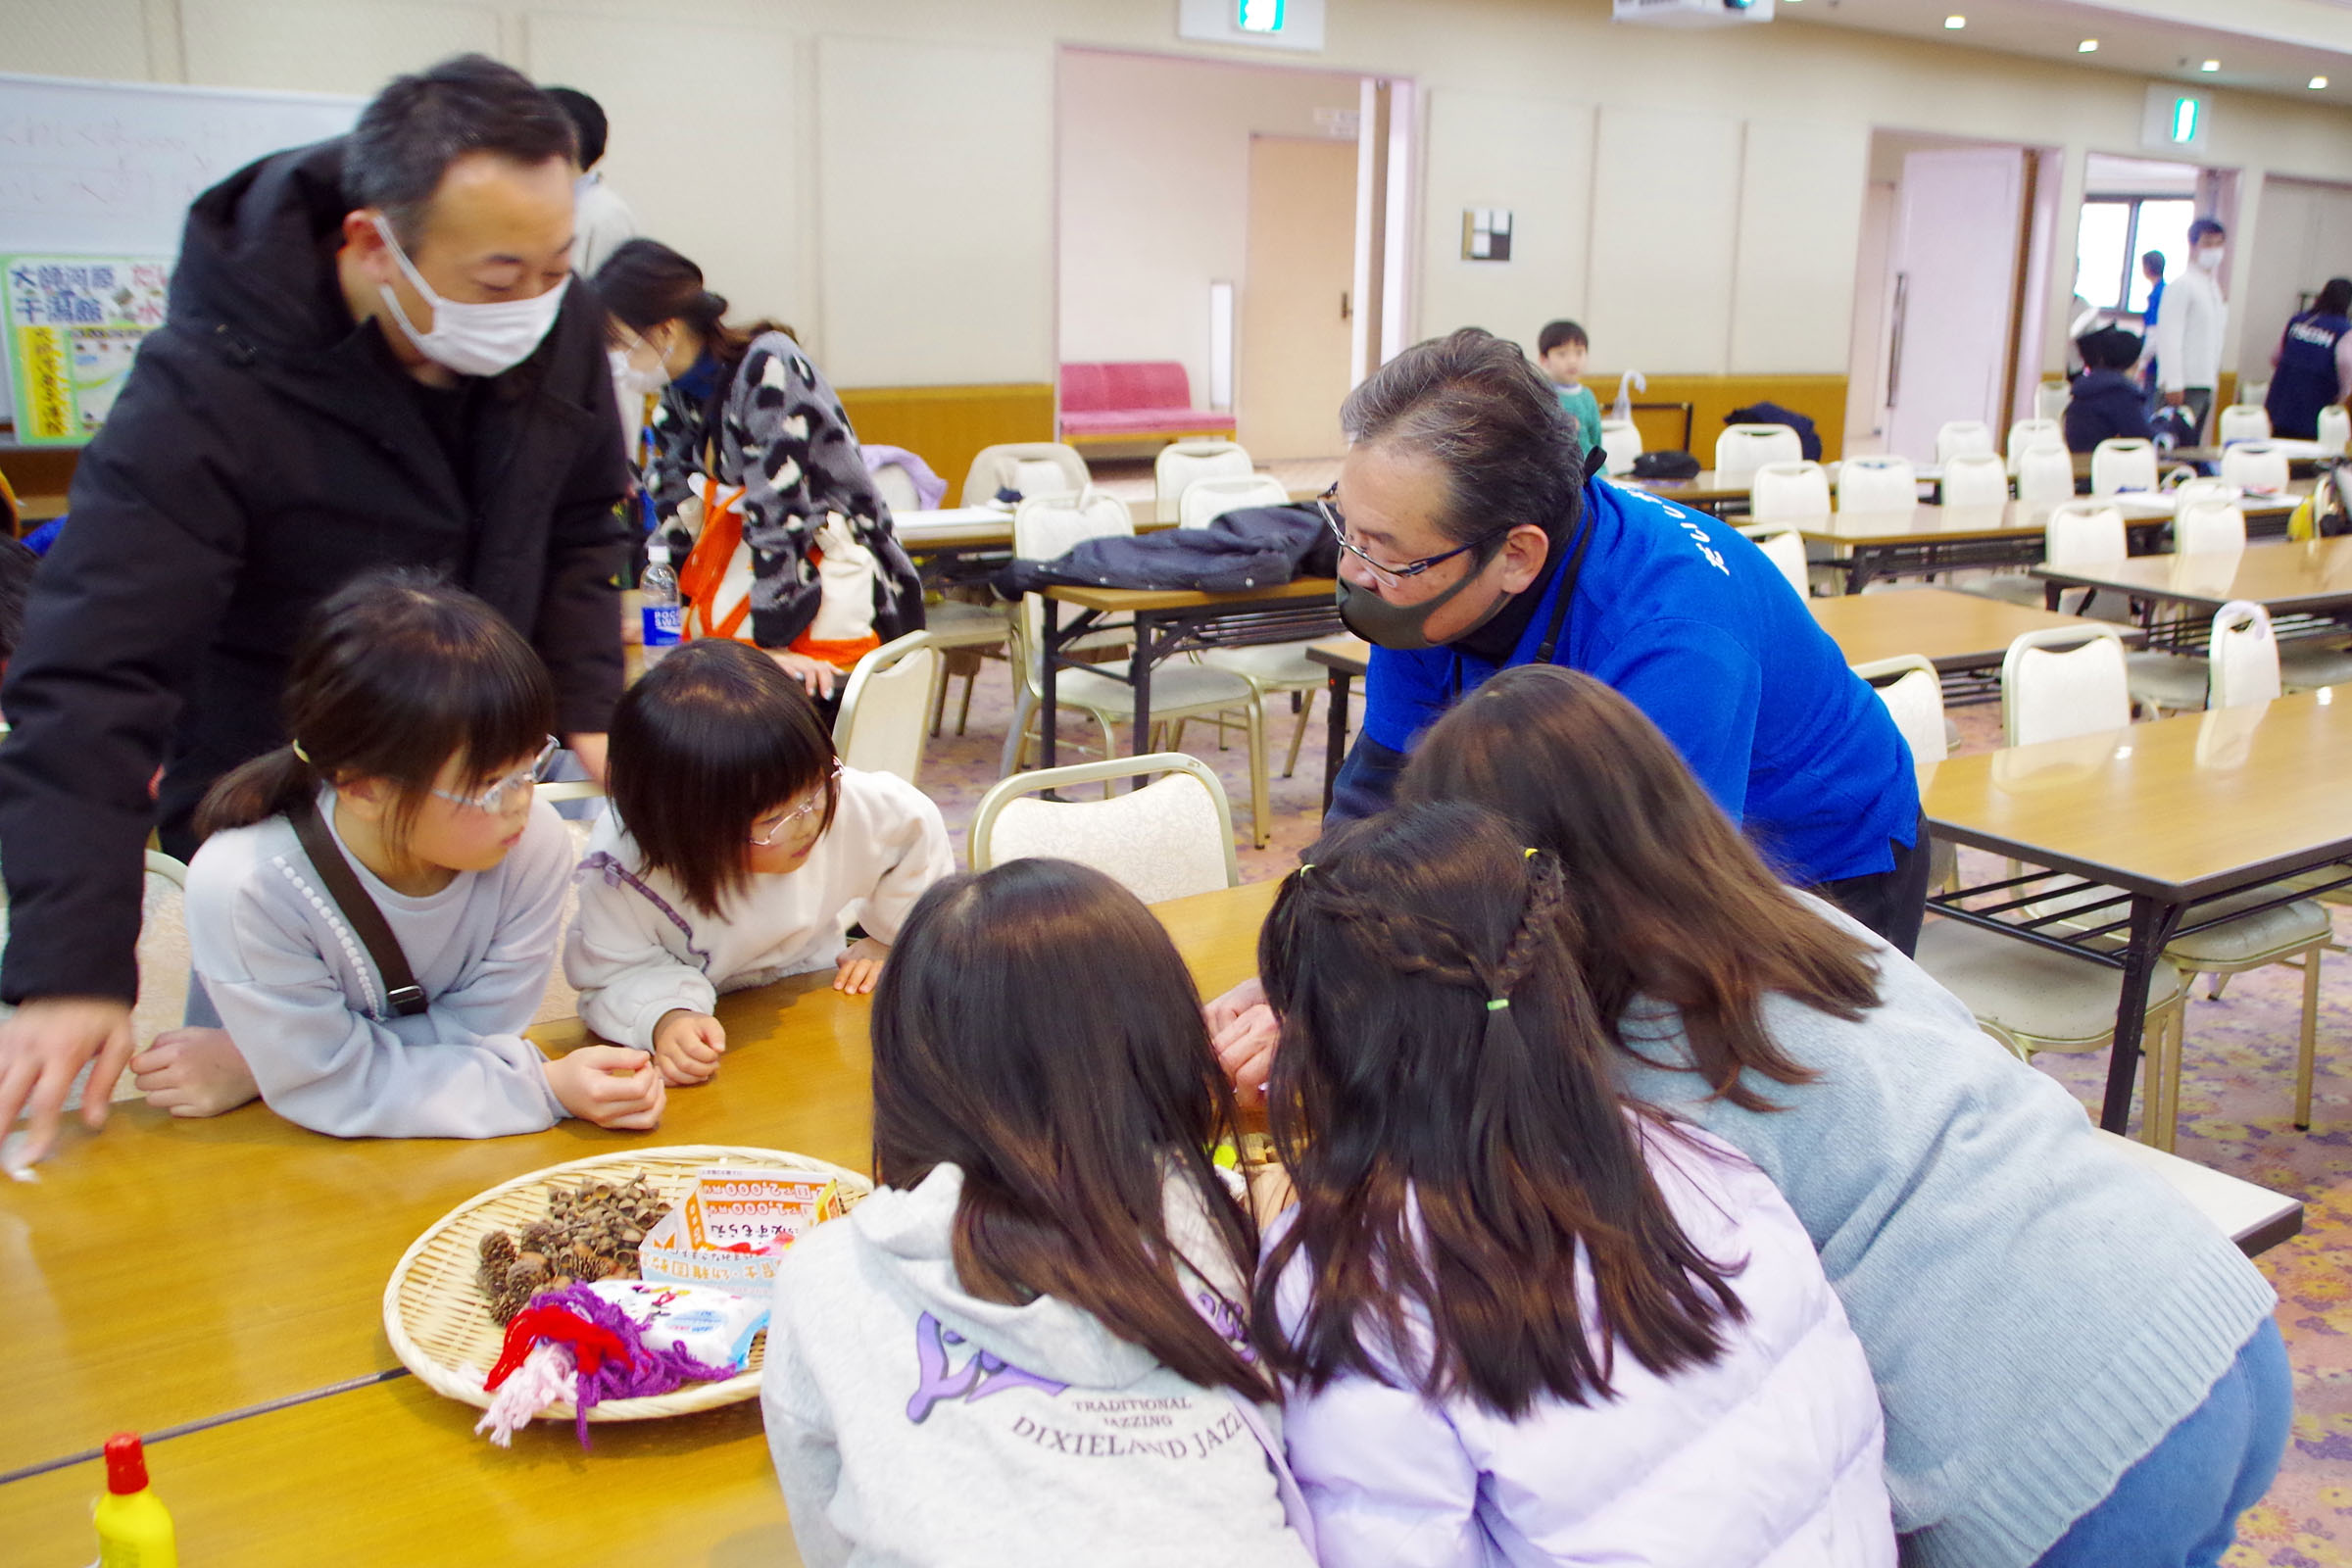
(1960, 215)
(1296, 309)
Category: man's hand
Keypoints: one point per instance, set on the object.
(2175, 399)
(43, 1047)
(688, 1046)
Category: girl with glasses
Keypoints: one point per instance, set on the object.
(739, 851)
(420, 722)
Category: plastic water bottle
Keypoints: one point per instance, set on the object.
(659, 587)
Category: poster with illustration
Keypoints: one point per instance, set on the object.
(74, 326)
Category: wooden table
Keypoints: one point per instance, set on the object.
(168, 1272)
(1705, 491)
(1169, 621)
(2165, 816)
(2303, 578)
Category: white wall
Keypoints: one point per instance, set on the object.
(890, 188)
(2306, 239)
(1155, 192)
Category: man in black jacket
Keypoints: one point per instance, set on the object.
(373, 357)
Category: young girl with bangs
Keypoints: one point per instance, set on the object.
(1028, 1345)
(1521, 1320)
(420, 722)
(739, 851)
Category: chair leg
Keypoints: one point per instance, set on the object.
(963, 714)
(1016, 737)
(1306, 710)
(2311, 1025)
(1258, 771)
(2161, 1100)
(2213, 994)
(939, 707)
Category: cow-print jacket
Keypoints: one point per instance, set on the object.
(782, 435)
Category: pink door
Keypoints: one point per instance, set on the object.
(1958, 226)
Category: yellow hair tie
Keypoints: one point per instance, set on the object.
(1498, 1003)
(300, 752)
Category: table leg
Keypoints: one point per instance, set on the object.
(2152, 925)
(2049, 594)
(1860, 568)
(1139, 675)
(1046, 712)
(1341, 688)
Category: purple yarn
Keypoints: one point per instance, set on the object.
(649, 1371)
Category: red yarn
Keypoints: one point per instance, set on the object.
(613, 1359)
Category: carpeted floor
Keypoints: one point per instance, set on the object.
(2237, 1099)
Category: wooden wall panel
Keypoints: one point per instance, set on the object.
(1820, 398)
(947, 425)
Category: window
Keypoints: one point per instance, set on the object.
(2115, 232)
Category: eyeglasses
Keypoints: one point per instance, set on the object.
(501, 795)
(1385, 575)
(784, 819)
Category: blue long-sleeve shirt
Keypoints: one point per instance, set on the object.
(1691, 623)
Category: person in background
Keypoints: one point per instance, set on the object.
(2189, 334)
(1520, 1320)
(1562, 348)
(603, 218)
(371, 359)
(419, 725)
(2107, 402)
(738, 851)
(745, 407)
(2151, 266)
(1031, 1343)
(2312, 365)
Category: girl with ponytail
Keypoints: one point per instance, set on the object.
(1520, 1317)
(420, 723)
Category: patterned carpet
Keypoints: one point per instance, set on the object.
(2235, 1104)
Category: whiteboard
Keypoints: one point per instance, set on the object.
(109, 167)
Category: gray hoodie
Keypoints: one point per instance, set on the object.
(915, 1423)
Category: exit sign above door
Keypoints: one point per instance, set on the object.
(1295, 24)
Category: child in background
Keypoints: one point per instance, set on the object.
(1561, 349)
(738, 851)
(1521, 1320)
(420, 721)
(1028, 1345)
(2107, 402)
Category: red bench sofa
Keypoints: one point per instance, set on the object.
(1142, 400)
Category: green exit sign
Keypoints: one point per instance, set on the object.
(1257, 16)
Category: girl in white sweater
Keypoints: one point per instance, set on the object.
(739, 851)
(420, 721)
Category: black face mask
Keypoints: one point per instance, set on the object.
(1400, 626)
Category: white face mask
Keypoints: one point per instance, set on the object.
(487, 339)
(2209, 257)
(634, 379)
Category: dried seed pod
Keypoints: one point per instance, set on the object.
(497, 1248)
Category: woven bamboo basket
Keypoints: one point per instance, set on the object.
(437, 1321)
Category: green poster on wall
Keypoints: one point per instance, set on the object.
(74, 326)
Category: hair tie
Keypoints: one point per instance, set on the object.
(299, 752)
(1306, 866)
(1498, 1003)
(1529, 853)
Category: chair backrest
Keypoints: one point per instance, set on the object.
(1780, 491)
(2048, 696)
(2050, 398)
(1784, 547)
(2336, 428)
(1120, 384)
(996, 467)
(895, 486)
(2204, 525)
(1961, 438)
(905, 480)
(1620, 445)
(2079, 532)
(1171, 838)
(2252, 394)
(1048, 526)
(1881, 483)
(2026, 433)
(2045, 472)
(2122, 463)
(2197, 488)
(886, 707)
(1976, 479)
(2241, 423)
(1742, 448)
(1182, 463)
(1913, 692)
(2242, 661)
(2256, 467)
(1208, 500)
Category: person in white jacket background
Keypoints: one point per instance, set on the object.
(738, 851)
(2188, 330)
(1520, 1319)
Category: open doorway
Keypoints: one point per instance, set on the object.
(1956, 245)
(2303, 238)
(1218, 217)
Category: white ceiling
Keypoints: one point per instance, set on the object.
(2263, 45)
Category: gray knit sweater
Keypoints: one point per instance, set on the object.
(2037, 1313)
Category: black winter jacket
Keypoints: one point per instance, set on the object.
(265, 450)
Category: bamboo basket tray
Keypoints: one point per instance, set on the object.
(436, 1319)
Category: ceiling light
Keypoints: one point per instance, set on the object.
(2211, 65)
(2088, 46)
(1954, 24)
(2317, 82)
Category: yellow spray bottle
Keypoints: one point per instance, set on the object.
(133, 1530)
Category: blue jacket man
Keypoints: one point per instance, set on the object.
(1470, 541)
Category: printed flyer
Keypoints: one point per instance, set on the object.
(74, 326)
